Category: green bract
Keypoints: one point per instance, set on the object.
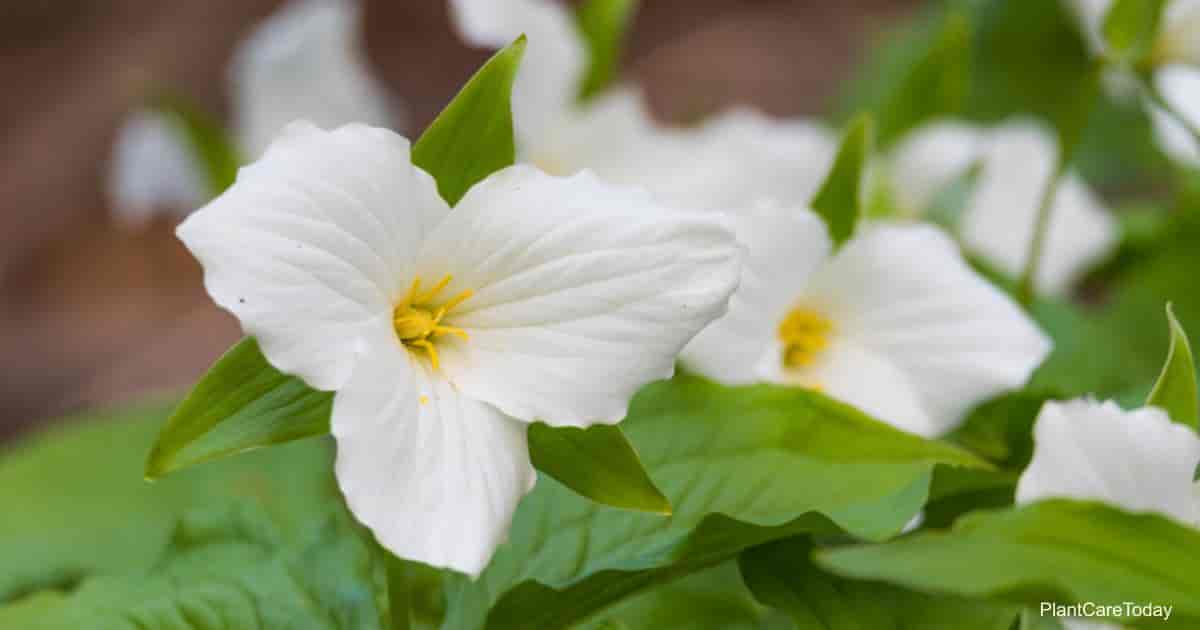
(604, 25)
(1175, 390)
(840, 200)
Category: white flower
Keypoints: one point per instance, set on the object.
(1180, 88)
(444, 331)
(1136, 460)
(305, 62)
(153, 168)
(895, 323)
(1016, 162)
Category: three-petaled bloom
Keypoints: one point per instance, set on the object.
(1136, 460)
(443, 331)
(894, 323)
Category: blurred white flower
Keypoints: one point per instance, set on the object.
(307, 61)
(444, 332)
(1016, 160)
(894, 323)
(1136, 460)
(1179, 86)
(153, 168)
(1178, 31)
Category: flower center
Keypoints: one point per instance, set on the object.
(804, 333)
(418, 318)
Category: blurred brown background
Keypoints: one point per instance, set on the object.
(93, 312)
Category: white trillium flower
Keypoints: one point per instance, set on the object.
(1016, 160)
(443, 332)
(1135, 460)
(305, 62)
(894, 323)
(1178, 31)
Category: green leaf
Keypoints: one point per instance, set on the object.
(224, 569)
(840, 199)
(244, 403)
(84, 508)
(1175, 389)
(473, 137)
(711, 599)
(1059, 550)
(1131, 28)
(603, 25)
(241, 404)
(210, 144)
(741, 466)
(598, 463)
(781, 574)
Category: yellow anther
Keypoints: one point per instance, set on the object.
(417, 320)
(804, 333)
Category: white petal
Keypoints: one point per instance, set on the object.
(1137, 460)
(307, 62)
(784, 246)
(905, 297)
(999, 220)
(153, 169)
(742, 157)
(926, 160)
(1075, 623)
(584, 292)
(612, 135)
(863, 377)
(552, 68)
(1179, 38)
(314, 241)
(434, 474)
(1180, 88)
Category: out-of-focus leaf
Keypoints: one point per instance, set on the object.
(242, 403)
(598, 463)
(225, 570)
(782, 575)
(473, 137)
(1058, 550)
(840, 200)
(214, 149)
(718, 454)
(1175, 389)
(1131, 27)
(711, 599)
(604, 25)
(78, 505)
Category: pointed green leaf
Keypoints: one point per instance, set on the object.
(1059, 550)
(241, 404)
(1175, 390)
(1131, 28)
(604, 25)
(473, 137)
(598, 463)
(782, 575)
(740, 465)
(244, 403)
(840, 199)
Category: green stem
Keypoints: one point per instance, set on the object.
(1026, 289)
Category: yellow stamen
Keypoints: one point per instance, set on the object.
(417, 321)
(804, 333)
